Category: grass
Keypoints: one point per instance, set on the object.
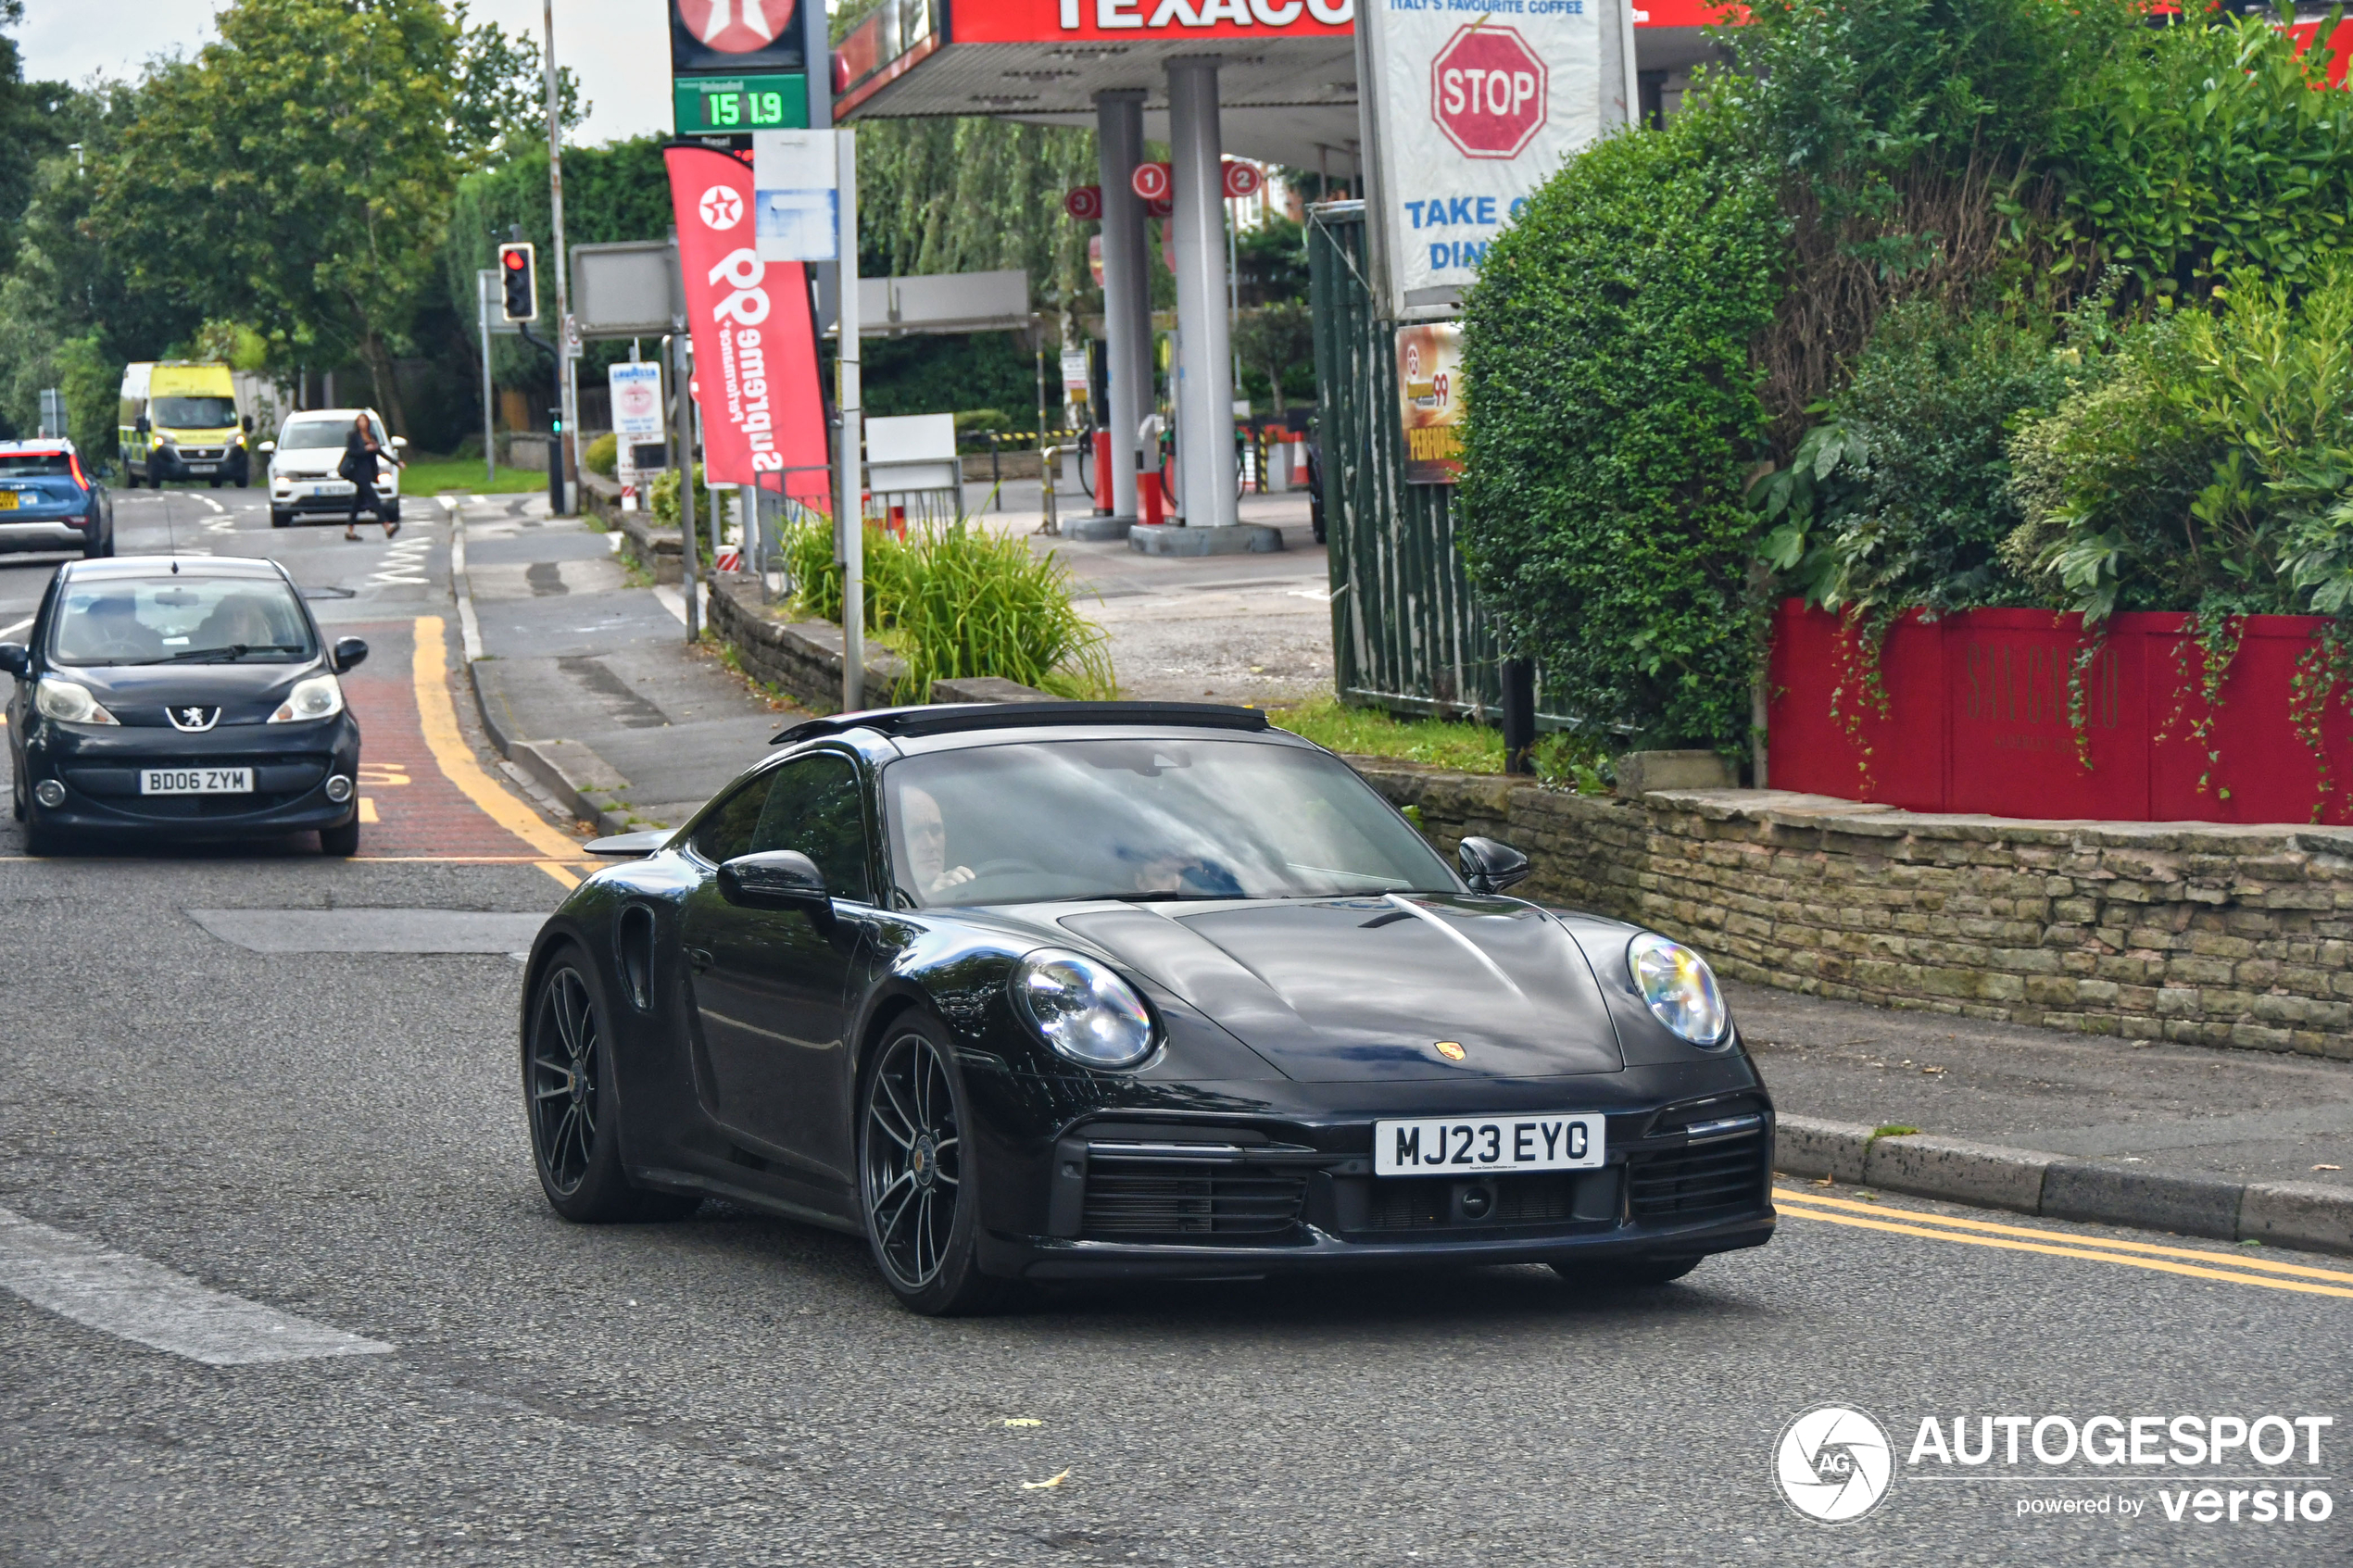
(431, 476)
(954, 602)
(1445, 742)
(1567, 762)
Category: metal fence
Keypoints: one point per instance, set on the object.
(1408, 634)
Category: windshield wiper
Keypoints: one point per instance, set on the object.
(228, 655)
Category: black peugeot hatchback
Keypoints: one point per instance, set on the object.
(168, 696)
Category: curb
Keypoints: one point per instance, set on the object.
(2301, 1214)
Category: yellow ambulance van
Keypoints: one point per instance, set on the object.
(178, 421)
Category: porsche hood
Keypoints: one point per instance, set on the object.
(1377, 988)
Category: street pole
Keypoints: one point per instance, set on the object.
(565, 398)
(681, 373)
(849, 512)
(482, 281)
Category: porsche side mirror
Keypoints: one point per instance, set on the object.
(14, 658)
(350, 652)
(1489, 865)
(777, 879)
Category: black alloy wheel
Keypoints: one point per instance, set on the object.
(570, 1104)
(915, 1177)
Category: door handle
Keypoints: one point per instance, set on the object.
(697, 959)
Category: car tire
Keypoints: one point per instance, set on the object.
(569, 1104)
(1634, 1273)
(216, 482)
(910, 1092)
(343, 841)
(281, 519)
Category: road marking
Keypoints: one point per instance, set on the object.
(6, 631)
(2128, 1259)
(135, 1300)
(213, 504)
(368, 810)
(2234, 1260)
(438, 717)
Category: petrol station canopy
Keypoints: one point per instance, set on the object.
(1287, 68)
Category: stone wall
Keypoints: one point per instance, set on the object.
(803, 658)
(2187, 932)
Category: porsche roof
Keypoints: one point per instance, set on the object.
(952, 718)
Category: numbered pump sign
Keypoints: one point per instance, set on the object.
(1470, 117)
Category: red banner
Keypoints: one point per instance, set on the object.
(755, 345)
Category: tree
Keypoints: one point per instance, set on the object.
(1273, 338)
(498, 102)
(296, 175)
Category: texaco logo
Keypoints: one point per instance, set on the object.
(722, 208)
(1833, 1464)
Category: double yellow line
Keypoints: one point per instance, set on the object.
(2231, 1267)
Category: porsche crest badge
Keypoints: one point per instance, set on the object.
(1451, 1049)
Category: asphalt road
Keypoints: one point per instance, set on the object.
(334, 1140)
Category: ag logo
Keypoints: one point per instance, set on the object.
(722, 208)
(1833, 1464)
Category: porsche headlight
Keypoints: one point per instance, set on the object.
(1083, 1009)
(1679, 988)
(70, 703)
(317, 697)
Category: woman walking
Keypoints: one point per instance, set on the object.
(361, 453)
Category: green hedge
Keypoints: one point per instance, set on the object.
(1612, 421)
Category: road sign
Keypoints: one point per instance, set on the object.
(1084, 202)
(796, 195)
(1487, 91)
(1153, 181)
(1242, 179)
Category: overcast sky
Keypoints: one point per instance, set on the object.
(619, 47)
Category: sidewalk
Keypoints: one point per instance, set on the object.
(584, 678)
(2238, 1145)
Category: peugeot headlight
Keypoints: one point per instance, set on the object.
(316, 697)
(1083, 1009)
(70, 703)
(1679, 988)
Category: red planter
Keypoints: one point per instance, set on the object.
(1976, 719)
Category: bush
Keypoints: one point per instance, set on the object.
(957, 602)
(662, 498)
(2195, 150)
(603, 456)
(1902, 496)
(1611, 419)
(2210, 466)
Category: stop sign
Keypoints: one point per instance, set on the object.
(1487, 91)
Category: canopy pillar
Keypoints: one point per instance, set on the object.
(1127, 305)
(1204, 362)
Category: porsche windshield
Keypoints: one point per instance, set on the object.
(1144, 820)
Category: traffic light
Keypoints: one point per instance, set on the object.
(520, 301)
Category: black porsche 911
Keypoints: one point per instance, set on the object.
(1059, 991)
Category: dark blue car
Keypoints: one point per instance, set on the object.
(48, 501)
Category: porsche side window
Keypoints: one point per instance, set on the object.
(815, 806)
(727, 831)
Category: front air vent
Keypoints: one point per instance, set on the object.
(1724, 1176)
(633, 949)
(1205, 1200)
